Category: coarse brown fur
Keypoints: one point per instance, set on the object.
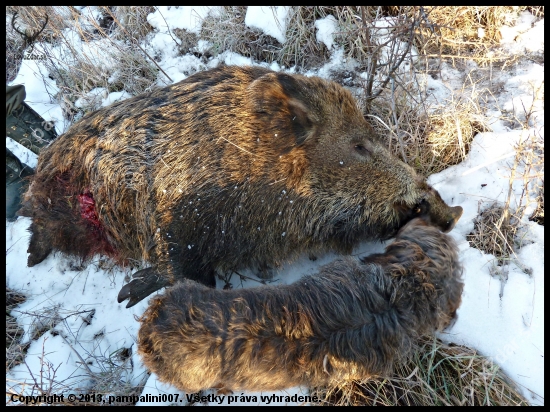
(352, 320)
(233, 167)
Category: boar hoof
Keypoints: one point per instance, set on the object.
(144, 282)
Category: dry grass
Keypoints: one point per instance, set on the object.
(496, 227)
(391, 91)
(447, 137)
(301, 48)
(228, 32)
(15, 350)
(428, 140)
(14, 55)
(129, 21)
(109, 57)
(112, 379)
(110, 374)
(439, 374)
(467, 31)
(492, 234)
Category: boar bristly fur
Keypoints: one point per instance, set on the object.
(232, 167)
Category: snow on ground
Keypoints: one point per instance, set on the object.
(509, 328)
(91, 324)
(38, 90)
(271, 20)
(326, 29)
(182, 17)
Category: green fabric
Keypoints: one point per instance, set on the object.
(16, 183)
(28, 128)
(23, 124)
(14, 97)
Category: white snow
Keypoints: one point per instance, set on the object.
(115, 97)
(39, 88)
(509, 328)
(94, 98)
(24, 154)
(90, 324)
(325, 30)
(271, 20)
(181, 17)
(523, 35)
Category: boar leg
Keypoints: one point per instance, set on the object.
(146, 281)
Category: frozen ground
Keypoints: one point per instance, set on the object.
(501, 319)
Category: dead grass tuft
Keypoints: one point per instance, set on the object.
(492, 234)
(112, 379)
(446, 139)
(495, 228)
(301, 47)
(439, 374)
(537, 11)
(468, 30)
(109, 60)
(228, 32)
(132, 21)
(428, 140)
(100, 370)
(15, 350)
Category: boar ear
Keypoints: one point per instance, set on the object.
(277, 98)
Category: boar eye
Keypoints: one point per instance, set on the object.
(421, 207)
(361, 149)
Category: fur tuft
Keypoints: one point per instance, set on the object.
(352, 320)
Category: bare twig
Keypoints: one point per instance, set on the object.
(137, 43)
